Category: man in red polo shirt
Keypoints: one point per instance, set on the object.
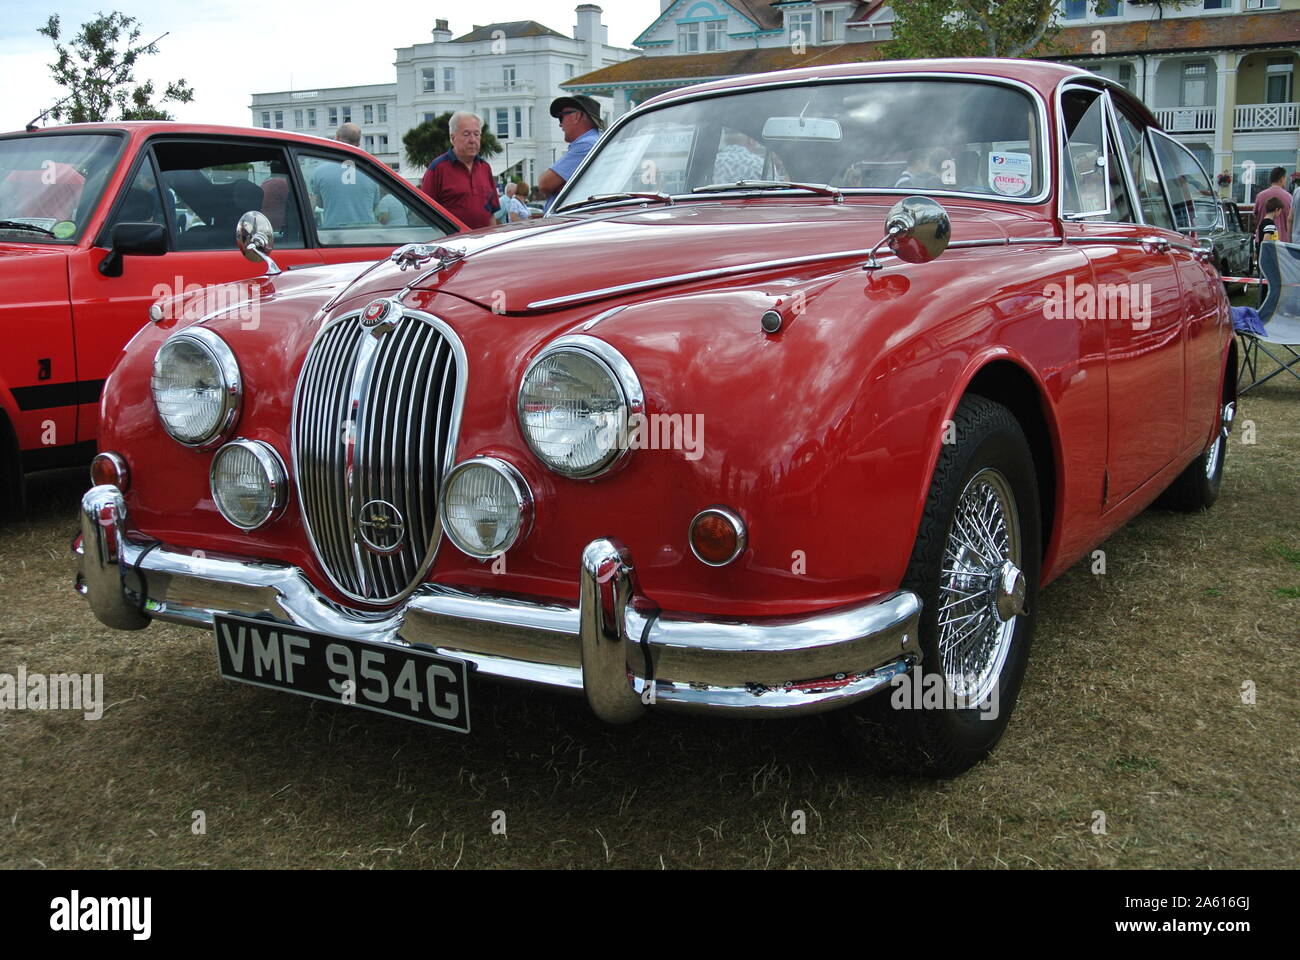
(460, 179)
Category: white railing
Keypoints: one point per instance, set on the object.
(1267, 116)
(1188, 119)
(522, 86)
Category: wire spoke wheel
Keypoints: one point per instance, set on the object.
(983, 549)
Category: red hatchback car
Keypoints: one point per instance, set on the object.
(807, 385)
(98, 220)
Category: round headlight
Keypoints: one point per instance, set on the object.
(576, 403)
(196, 387)
(485, 506)
(249, 483)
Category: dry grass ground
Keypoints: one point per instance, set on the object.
(1132, 706)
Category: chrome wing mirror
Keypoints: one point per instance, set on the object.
(917, 230)
(256, 239)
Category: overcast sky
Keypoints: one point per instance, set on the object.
(229, 49)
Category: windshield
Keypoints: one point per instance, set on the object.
(52, 184)
(913, 136)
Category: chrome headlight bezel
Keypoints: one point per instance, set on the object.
(273, 469)
(624, 380)
(232, 388)
(519, 490)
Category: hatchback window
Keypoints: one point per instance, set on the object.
(52, 183)
(212, 184)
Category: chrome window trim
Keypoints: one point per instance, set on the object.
(276, 472)
(449, 456)
(621, 372)
(1036, 98)
(232, 392)
(518, 486)
(1063, 152)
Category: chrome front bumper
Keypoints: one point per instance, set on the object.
(621, 658)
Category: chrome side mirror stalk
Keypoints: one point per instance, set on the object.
(255, 239)
(917, 230)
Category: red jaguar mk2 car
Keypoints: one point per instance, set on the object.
(807, 385)
(96, 220)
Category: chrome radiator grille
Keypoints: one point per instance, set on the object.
(375, 420)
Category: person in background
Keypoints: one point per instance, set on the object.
(343, 195)
(460, 179)
(513, 206)
(1276, 179)
(580, 120)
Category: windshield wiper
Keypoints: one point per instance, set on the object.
(824, 189)
(611, 197)
(19, 225)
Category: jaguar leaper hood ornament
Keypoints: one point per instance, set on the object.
(418, 254)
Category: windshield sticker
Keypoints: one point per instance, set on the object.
(63, 229)
(1010, 173)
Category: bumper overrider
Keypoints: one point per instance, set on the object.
(621, 658)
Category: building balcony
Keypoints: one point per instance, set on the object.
(521, 88)
(1187, 119)
(1266, 117)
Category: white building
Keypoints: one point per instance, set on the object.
(507, 73)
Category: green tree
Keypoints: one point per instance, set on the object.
(431, 139)
(981, 28)
(97, 69)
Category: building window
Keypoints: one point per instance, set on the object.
(569, 71)
(828, 27)
(368, 113)
(1124, 76)
(503, 123)
(1217, 4)
(1074, 9)
(508, 75)
(449, 79)
(427, 80)
(688, 38)
(334, 116)
(1112, 9)
(1261, 4)
(519, 123)
(801, 27)
(715, 35)
(383, 113)
(1195, 76)
(369, 144)
(347, 114)
(279, 119)
(266, 119)
(1278, 80)
(311, 116)
(383, 143)
(429, 117)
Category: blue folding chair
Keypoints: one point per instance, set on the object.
(1279, 265)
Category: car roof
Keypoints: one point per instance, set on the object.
(1042, 75)
(139, 129)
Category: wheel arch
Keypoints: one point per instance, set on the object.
(1004, 381)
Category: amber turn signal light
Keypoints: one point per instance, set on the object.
(717, 536)
(110, 468)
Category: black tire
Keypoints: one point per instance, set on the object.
(1197, 487)
(989, 458)
(13, 486)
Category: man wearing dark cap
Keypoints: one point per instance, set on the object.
(580, 120)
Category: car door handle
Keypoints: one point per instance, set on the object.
(1155, 245)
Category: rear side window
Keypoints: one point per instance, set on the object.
(212, 184)
(1146, 175)
(1196, 205)
(354, 207)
